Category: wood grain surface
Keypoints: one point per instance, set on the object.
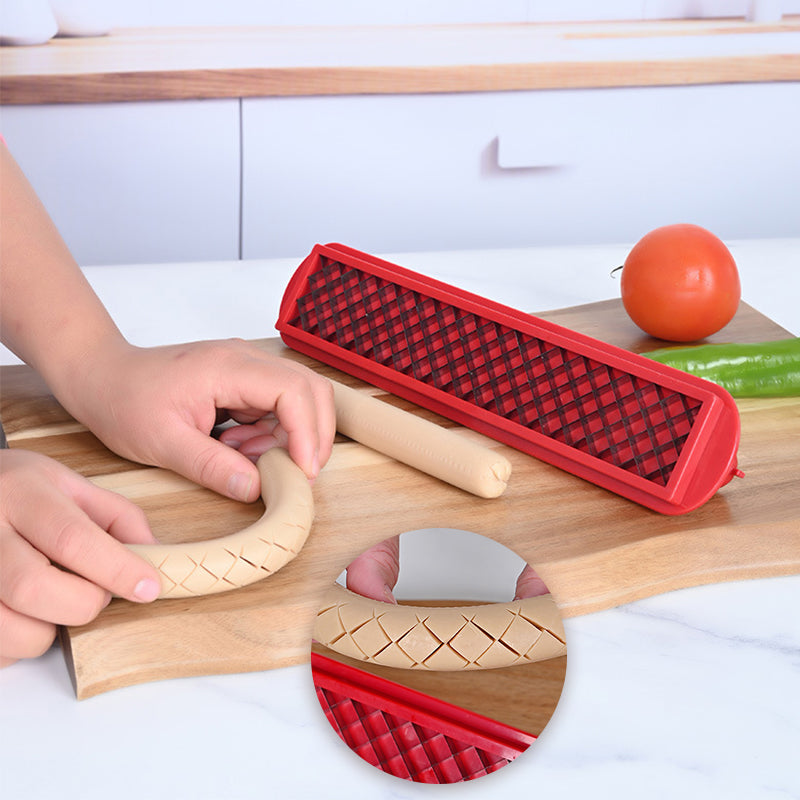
(196, 63)
(524, 697)
(594, 549)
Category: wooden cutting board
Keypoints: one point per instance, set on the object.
(594, 549)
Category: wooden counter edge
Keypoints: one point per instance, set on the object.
(180, 84)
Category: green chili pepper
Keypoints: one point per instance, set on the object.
(763, 369)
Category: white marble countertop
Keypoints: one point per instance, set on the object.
(692, 694)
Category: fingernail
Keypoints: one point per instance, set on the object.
(146, 590)
(389, 595)
(315, 464)
(239, 486)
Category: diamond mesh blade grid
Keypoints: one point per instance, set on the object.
(403, 748)
(619, 418)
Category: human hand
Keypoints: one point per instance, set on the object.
(529, 584)
(158, 406)
(52, 516)
(374, 574)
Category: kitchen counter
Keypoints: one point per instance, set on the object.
(181, 63)
(692, 693)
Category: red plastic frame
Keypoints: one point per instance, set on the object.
(409, 734)
(707, 458)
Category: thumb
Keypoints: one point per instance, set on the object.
(529, 584)
(214, 465)
(374, 573)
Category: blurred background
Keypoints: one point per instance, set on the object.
(224, 170)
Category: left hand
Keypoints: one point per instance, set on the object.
(159, 405)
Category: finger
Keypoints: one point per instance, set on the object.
(114, 513)
(256, 447)
(303, 404)
(60, 529)
(249, 415)
(529, 584)
(23, 637)
(301, 399)
(212, 464)
(374, 573)
(320, 419)
(296, 410)
(33, 587)
(326, 420)
(258, 444)
(239, 435)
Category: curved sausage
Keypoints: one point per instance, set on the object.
(443, 639)
(217, 565)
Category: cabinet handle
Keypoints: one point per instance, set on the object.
(531, 150)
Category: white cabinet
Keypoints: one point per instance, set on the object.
(135, 182)
(270, 177)
(434, 172)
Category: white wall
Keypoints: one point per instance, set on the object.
(76, 149)
(134, 13)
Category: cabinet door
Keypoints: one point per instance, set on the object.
(433, 172)
(135, 182)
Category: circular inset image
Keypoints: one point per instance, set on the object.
(446, 669)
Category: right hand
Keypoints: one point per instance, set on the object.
(61, 552)
(158, 406)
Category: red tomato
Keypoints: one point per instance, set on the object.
(680, 283)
